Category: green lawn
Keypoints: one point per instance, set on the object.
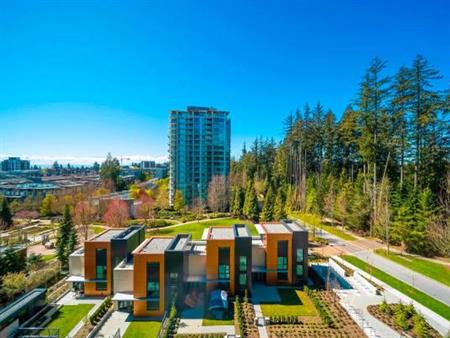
(69, 316)
(314, 220)
(439, 272)
(196, 229)
(215, 322)
(47, 258)
(140, 329)
(97, 229)
(293, 303)
(405, 288)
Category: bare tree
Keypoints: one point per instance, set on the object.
(218, 193)
(198, 207)
(84, 215)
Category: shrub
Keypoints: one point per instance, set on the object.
(101, 311)
(420, 326)
(401, 318)
(385, 308)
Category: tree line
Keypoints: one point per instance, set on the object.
(382, 169)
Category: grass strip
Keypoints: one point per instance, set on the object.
(433, 270)
(313, 221)
(419, 296)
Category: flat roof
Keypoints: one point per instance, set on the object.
(276, 228)
(221, 233)
(107, 235)
(180, 242)
(156, 245)
(19, 304)
(242, 230)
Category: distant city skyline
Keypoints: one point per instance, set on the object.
(81, 79)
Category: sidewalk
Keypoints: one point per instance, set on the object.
(117, 321)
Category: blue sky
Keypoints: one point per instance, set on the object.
(79, 79)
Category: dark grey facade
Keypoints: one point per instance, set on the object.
(243, 248)
(199, 148)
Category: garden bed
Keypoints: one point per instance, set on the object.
(332, 321)
(403, 319)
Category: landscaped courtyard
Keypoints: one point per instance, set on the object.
(68, 317)
(140, 329)
(293, 303)
(196, 229)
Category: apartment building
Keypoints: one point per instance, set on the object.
(144, 276)
(199, 148)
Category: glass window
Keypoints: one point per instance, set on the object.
(173, 276)
(153, 305)
(300, 255)
(242, 263)
(101, 286)
(224, 272)
(282, 263)
(243, 279)
(299, 270)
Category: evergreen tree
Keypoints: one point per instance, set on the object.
(279, 210)
(237, 202)
(251, 209)
(5, 215)
(67, 238)
(267, 212)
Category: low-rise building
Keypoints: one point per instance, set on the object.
(145, 276)
(14, 164)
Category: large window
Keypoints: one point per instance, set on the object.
(242, 270)
(299, 263)
(242, 263)
(100, 269)
(282, 260)
(153, 287)
(224, 264)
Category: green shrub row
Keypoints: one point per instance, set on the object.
(170, 328)
(204, 335)
(406, 318)
(284, 320)
(324, 312)
(101, 311)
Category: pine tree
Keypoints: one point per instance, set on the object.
(237, 202)
(279, 210)
(67, 238)
(5, 214)
(251, 209)
(267, 212)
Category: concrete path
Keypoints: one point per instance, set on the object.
(117, 321)
(356, 305)
(261, 328)
(194, 326)
(362, 249)
(417, 280)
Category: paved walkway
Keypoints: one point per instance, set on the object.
(362, 248)
(417, 280)
(356, 305)
(191, 322)
(117, 321)
(261, 328)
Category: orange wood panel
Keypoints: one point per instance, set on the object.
(272, 255)
(212, 262)
(89, 268)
